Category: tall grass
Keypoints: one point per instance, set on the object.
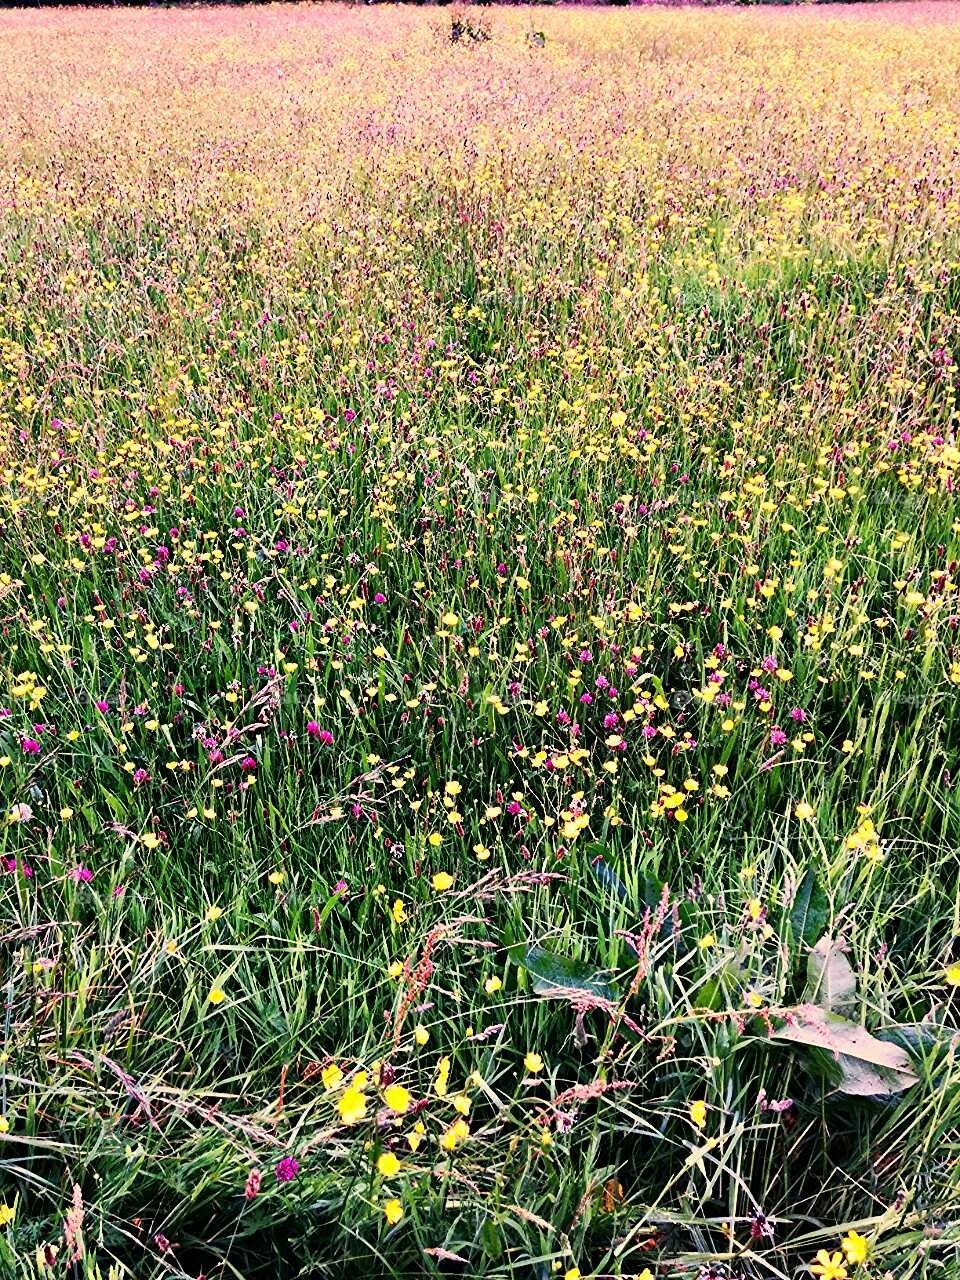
(478, 587)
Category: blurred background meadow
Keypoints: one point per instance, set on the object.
(479, 655)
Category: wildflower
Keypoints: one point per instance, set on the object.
(533, 1062)
(803, 811)
(7, 1214)
(492, 985)
(287, 1169)
(856, 1247)
(352, 1105)
(388, 1166)
(252, 1188)
(698, 1113)
(217, 995)
(829, 1266)
(442, 881)
(397, 1098)
(398, 911)
(952, 975)
(276, 877)
(30, 746)
(331, 1075)
(81, 874)
(393, 1211)
(212, 913)
(458, 1132)
(420, 1034)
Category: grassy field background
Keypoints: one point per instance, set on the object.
(480, 665)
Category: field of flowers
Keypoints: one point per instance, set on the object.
(480, 664)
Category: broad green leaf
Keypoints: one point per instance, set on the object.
(555, 974)
(811, 909)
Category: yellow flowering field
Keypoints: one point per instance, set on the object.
(480, 655)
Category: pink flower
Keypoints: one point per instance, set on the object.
(287, 1169)
(252, 1189)
(82, 874)
(30, 747)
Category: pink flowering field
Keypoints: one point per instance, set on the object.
(480, 643)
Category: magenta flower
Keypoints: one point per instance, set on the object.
(287, 1169)
(81, 874)
(30, 747)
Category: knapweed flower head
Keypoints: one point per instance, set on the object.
(287, 1169)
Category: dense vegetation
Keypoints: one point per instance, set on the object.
(479, 691)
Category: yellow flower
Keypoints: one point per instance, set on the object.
(442, 881)
(952, 975)
(458, 1132)
(803, 811)
(393, 1211)
(352, 1105)
(572, 1273)
(213, 913)
(399, 912)
(388, 1166)
(4, 1124)
(443, 1074)
(698, 1113)
(7, 1214)
(492, 985)
(331, 1075)
(533, 1062)
(435, 839)
(397, 1098)
(855, 1247)
(217, 995)
(829, 1266)
(276, 877)
(420, 1034)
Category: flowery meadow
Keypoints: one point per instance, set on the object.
(480, 652)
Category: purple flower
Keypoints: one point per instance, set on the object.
(82, 874)
(30, 747)
(287, 1169)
